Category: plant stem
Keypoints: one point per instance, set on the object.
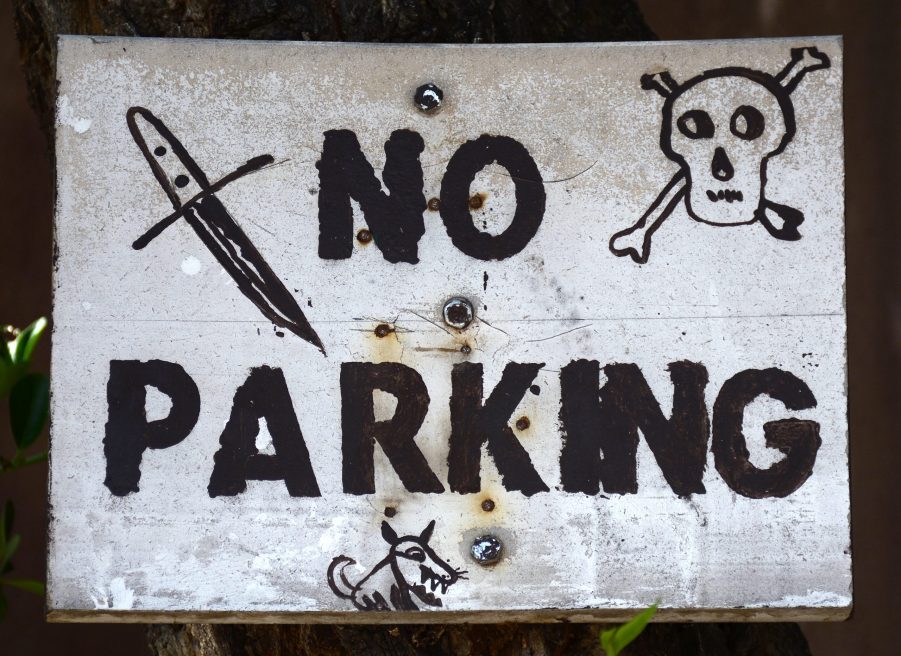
(20, 461)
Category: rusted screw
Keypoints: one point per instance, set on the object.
(428, 98)
(434, 204)
(458, 312)
(390, 511)
(523, 423)
(486, 550)
(476, 201)
(364, 236)
(466, 349)
(382, 330)
(488, 505)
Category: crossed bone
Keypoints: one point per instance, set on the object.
(780, 221)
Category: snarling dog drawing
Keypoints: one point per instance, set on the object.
(399, 580)
(721, 128)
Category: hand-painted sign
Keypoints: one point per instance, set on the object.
(344, 332)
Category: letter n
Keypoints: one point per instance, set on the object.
(394, 220)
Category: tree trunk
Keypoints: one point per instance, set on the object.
(433, 21)
(471, 640)
(403, 21)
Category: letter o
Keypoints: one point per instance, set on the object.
(472, 157)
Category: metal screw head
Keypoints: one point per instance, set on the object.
(434, 204)
(364, 236)
(466, 349)
(428, 98)
(383, 330)
(523, 423)
(458, 312)
(488, 505)
(486, 549)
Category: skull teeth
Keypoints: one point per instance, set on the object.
(728, 195)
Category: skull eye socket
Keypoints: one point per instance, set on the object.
(747, 123)
(695, 124)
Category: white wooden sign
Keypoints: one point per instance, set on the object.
(397, 333)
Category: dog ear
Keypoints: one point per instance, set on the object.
(389, 534)
(426, 535)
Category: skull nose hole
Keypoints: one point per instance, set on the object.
(721, 166)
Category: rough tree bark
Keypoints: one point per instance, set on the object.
(437, 21)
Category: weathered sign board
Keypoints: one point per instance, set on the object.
(368, 333)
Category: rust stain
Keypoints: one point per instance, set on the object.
(383, 343)
(477, 201)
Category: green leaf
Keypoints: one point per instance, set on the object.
(15, 355)
(9, 375)
(27, 340)
(618, 638)
(35, 587)
(6, 358)
(7, 515)
(6, 529)
(12, 543)
(29, 404)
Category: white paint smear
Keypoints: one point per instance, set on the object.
(191, 265)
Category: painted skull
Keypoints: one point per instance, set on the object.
(721, 127)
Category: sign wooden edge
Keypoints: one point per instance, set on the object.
(540, 616)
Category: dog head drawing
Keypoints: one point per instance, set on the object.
(412, 574)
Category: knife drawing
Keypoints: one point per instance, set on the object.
(193, 197)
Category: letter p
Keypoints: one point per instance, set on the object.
(128, 433)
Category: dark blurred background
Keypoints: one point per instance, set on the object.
(872, 30)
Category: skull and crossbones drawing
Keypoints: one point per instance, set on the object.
(722, 127)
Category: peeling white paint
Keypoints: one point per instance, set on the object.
(116, 596)
(262, 561)
(66, 116)
(331, 538)
(813, 599)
